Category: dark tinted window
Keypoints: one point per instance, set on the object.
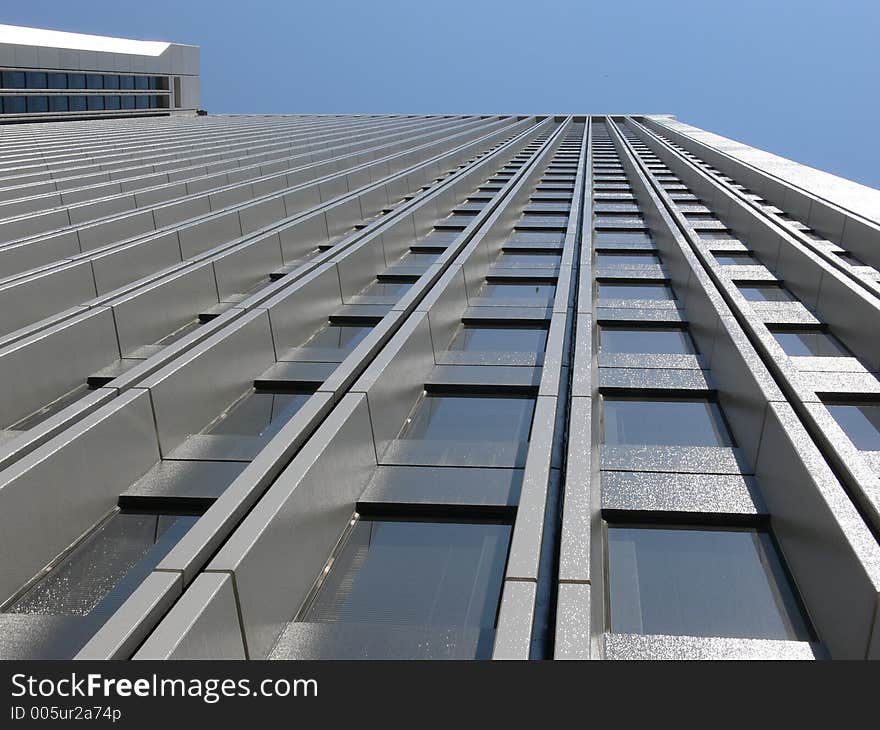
(128, 102)
(142, 102)
(38, 103)
(339, 336)
(57, 81)
(259, 414)
(765, 293)
(465, 418)
(58, 104)
(14, 80)
(657, 422)
(417, 574)
(735, 258)
(502, 290)
(650, 340)
(96, 103)
(14, 104)
(126, 82)
(94, 81)
(111, 82)
(860, 421)
(810, 343)
(108, 565)
(625, 259)
(76, 81)
(499, 339)
(700, 582)
(37, 80)
(620, 290)
(141, 82)
(77, 103)
(111, 102)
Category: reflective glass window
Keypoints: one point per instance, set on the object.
(700, 582)
(663, 422)
(810, 343)
(37, 80)
(634, 290)
(646, 340)
(860, 422)
(519, 290)
(765, 293)
(258, 414)
(467, 417)
(106, 566)
(58, 104)
(38, 104)
(416, 573)
(14, 80)
(485, 338)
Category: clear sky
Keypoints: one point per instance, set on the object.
(800, 78)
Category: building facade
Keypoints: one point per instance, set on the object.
(445, 386)
(52, 75)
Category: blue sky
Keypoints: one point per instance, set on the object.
(799, 78)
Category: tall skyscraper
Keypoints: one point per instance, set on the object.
(438, 386)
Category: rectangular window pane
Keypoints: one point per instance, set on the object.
(765, 293)
(499, 339)
(142, 102)
(416, 573)
(96, 103)
(527, 259)
(128, 102)
(57, 81)
(648, 340)
(700, 582)
(258, 414)
(387, 288)
(860, 422)
(626, 259)
(657, 422)
(78, 103)
(76, 81)
(37, 80)
(111, 81)
(339, 336)
(140, 82)
(111, 102)
(114, 559)
(501, 290)
(14, 105)
(735, 258)
(810, 343)
(620, 290)
(126, 82)
(94, 81)
(465, 418)
(38, 104)
(14, 80)
(58, 104)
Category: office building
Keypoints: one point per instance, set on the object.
(443, 386)
(52, 75)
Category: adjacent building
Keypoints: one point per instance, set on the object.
(438, 386)
(52, 75)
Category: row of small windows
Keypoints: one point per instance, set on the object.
(46, 104)
(46, 80)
